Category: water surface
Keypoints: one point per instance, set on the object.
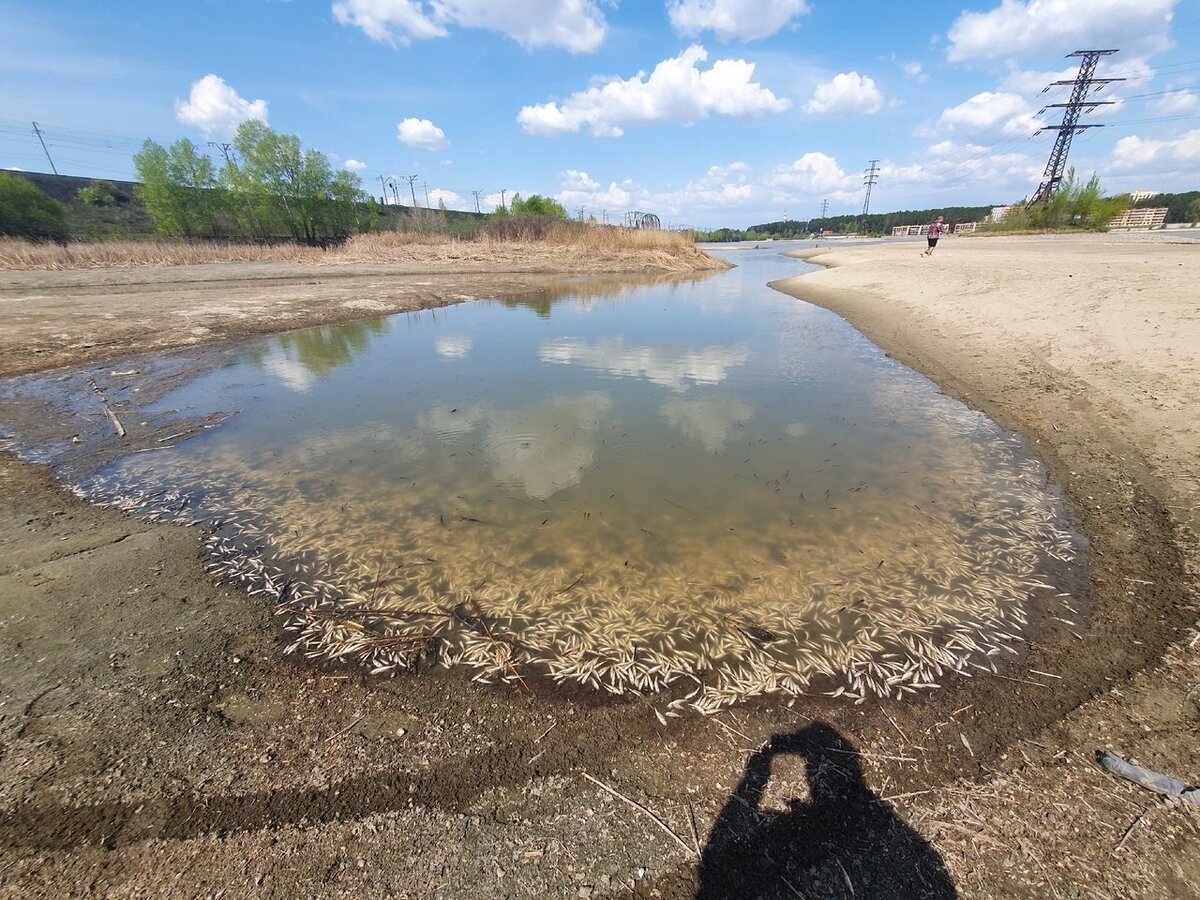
(704, 487)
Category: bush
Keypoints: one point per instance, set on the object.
(98, 193)
(27, 212)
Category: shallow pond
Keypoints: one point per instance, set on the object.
(704, 487)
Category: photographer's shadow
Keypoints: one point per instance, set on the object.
(843, 841)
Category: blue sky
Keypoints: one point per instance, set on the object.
(705, 112)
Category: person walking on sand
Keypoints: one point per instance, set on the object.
(936, 230)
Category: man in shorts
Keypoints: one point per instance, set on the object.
(936, 230)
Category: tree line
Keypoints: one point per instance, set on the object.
(269, 188)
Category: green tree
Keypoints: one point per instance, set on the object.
(1194, 211)
(28, 213)
(537, 205)
(286, 189)
(179, 188)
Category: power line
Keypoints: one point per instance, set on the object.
(1083, 84)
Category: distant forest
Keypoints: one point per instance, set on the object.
(874, 223)
(1181, 209)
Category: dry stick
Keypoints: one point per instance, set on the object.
(695, 831)
(893, 721)
(538, 739)
(112, 416)
(347, 728)
(1132, 825)
(661, 824)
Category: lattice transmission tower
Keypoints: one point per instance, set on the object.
(870, 179)
(1083, 85)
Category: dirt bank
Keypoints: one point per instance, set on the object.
(157, 743)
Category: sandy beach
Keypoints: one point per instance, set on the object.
(155, 741)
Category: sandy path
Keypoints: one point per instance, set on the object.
(154, 742)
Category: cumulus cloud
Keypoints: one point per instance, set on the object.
(1176, 103)
(575, 25)
(916, 72)
(454, 346)
(354, 165)
(988, 115)
(422, 133)
(216, 109)
(678, 90)
(813, 172)
(709, 420)
(670, 367)
(1145, 153)
(744, 19)
(846, 94)
(1025, 28)
(451, 199)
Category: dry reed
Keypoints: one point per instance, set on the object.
(618, 246)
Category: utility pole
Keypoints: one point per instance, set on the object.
(503, 191)
(426, 183)
(581, 209)
(383, 186)
(38, 132)
(411, 179)
(476, 194)
(1083, 84)
(870, 179)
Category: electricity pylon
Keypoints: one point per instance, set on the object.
(1083, 84)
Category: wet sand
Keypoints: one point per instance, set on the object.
(157, 743)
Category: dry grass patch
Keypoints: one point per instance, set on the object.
(568, 245)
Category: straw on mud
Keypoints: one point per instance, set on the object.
(659, 822)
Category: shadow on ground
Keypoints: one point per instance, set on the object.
(842, 841)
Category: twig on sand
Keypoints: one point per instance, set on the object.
(1132, 825)
(347, 728)
(538, 739)
(893, 721)
(661, 824)
(695, 830)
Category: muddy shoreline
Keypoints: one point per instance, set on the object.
(156, 740)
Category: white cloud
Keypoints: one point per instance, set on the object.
(1025, 28)
(450, 198)
(744, 19)
(422, 133)
(574, 180)
(709, 420)
(1031, 82)
(454, 346)
(916, 72)
(814, 172)
(216, 109)
(1176, 103)
(1145, 153)
(846, 94)
(988, 115)
(666, 366)
(575, 25)
(676, 91)
(354, 165)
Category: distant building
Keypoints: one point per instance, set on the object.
(1000, 213)
(1138, 196)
